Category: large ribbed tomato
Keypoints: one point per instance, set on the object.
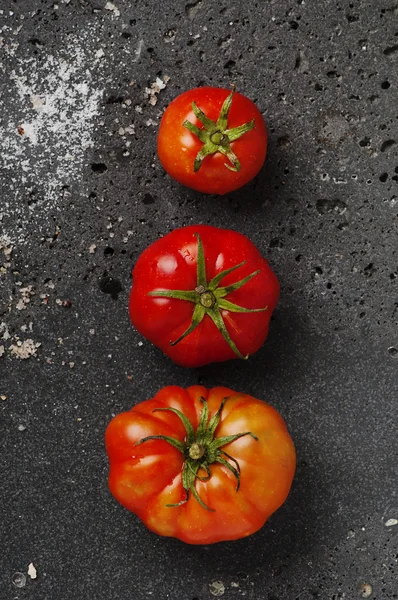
(203, 295)
(212, 140)
(200, 465)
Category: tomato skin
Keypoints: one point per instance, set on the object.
(178, 147)
(145, 477)
(170, 263)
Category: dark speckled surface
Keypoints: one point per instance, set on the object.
(82, 194)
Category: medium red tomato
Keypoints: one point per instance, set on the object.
(212, 140)
(200, 465)
(203, 294)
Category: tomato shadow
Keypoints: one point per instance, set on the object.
(266, 188)
(271, 185)
(273, 371)
(289, 538)
(295, 530)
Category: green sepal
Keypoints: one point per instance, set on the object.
(236, 132)
(202, 427)
(214, 421)
(189, 296)
(222, 121)
(197, 317)
(213, 284)
(231, 307)
(206, 150)
(218, 321)
(233, 470)
(201, 278)
(185, 421)
(165, 438)
(215, 136)
(221, 292)
(204, 435)
(207, 123)
(223, 441)
(200, 133)
(227, 151)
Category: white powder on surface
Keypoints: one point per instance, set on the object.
(47, 125)
(24, 349)
(113, 8)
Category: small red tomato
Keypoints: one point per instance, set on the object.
(212, 140)
(203, 294)
(200, 465)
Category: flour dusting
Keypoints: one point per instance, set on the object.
(47, 125)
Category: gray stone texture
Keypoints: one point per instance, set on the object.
(83, 194)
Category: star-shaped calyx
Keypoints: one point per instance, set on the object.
(216, 136)
(210, 299)
(201, 449)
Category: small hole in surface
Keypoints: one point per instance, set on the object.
(383, 177)
(390, 50)
(352, 18)
(276, 243)
(35, 42)
(109, 251)
(364, 142)
(283, 141)
(387, 145)
(392, 351)
(110, 285)
(317, 272)
(99, 167)
(369, 270)
(385, 85)
(148, 199)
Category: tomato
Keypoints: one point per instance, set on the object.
(203, 294)
(200, 465)
(212, 140)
